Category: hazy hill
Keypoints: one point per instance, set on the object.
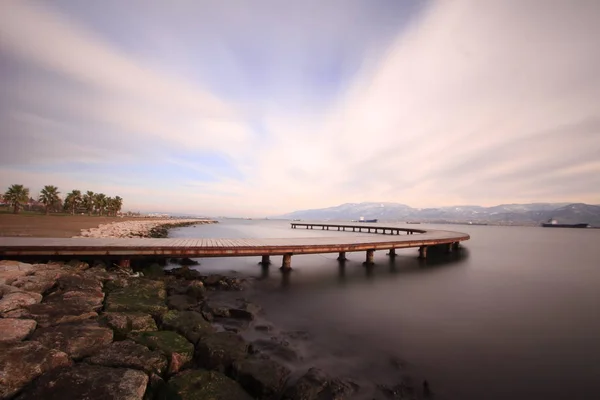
(526, 214)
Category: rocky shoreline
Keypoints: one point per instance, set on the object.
(142, 228)
(91, 330)
(75, 330)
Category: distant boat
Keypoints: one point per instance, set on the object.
(552, 223)
(362, 219)
(412, 222)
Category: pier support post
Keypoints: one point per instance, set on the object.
(449, 247)
(342, 256)
(125, 263)
(392, 253)
(369, 260)
(266, 260)
(286, 265)
(455, 245)
(423, 252)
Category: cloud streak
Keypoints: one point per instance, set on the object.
(262, 110)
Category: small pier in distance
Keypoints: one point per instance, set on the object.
(369, 238)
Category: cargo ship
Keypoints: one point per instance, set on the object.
(552, 223)
(362, 219)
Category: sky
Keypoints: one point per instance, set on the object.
(258, 108)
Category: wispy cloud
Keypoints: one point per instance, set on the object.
(266, 108)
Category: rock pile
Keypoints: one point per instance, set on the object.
(141, 228)
(70, 330)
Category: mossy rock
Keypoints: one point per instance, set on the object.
(190, 324)
(177, 348)
(124, 322)
(205, 385)
(220, 350)
(141, 295)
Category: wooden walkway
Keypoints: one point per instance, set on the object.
(125, 249)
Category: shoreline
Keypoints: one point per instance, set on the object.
(140, 228)
(90, 330)
(159, 332)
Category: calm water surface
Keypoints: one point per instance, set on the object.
(515, 315)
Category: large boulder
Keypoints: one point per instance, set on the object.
(76, 298)
(205, 385)
(316, 385)
(79, 282)
(78, 340)
(11, 270)
(14, 329)
(124, 322)
(90, 299)
(22, 362)
(57, 312)
(90, 382)
(39, 282)
(190, 324)
(128, 354)
(178, 349)
(17, 300)
(262, 378)
(141, 295)
(220, 350)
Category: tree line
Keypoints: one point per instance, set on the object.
(17, 196)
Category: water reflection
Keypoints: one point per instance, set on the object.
(353, 272)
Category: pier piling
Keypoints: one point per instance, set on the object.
(286, 265)
(369, 260)
(423, 252)
(266, 260)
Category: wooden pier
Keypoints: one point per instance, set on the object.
(369, 239)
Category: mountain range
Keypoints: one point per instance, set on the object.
(503, 214)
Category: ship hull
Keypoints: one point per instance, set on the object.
(565, 225)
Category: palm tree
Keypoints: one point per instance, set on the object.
(16, 195)
(110, 203)
(49, 197)
(88, 201)
(100, 202)
(118, 204)
(73, 201)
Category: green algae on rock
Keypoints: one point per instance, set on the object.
(91, 382)
(141, 295)
(128, 354)
(124, 322)
(205, 385)
(190, 324)
(177, 348)
(219, 350)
